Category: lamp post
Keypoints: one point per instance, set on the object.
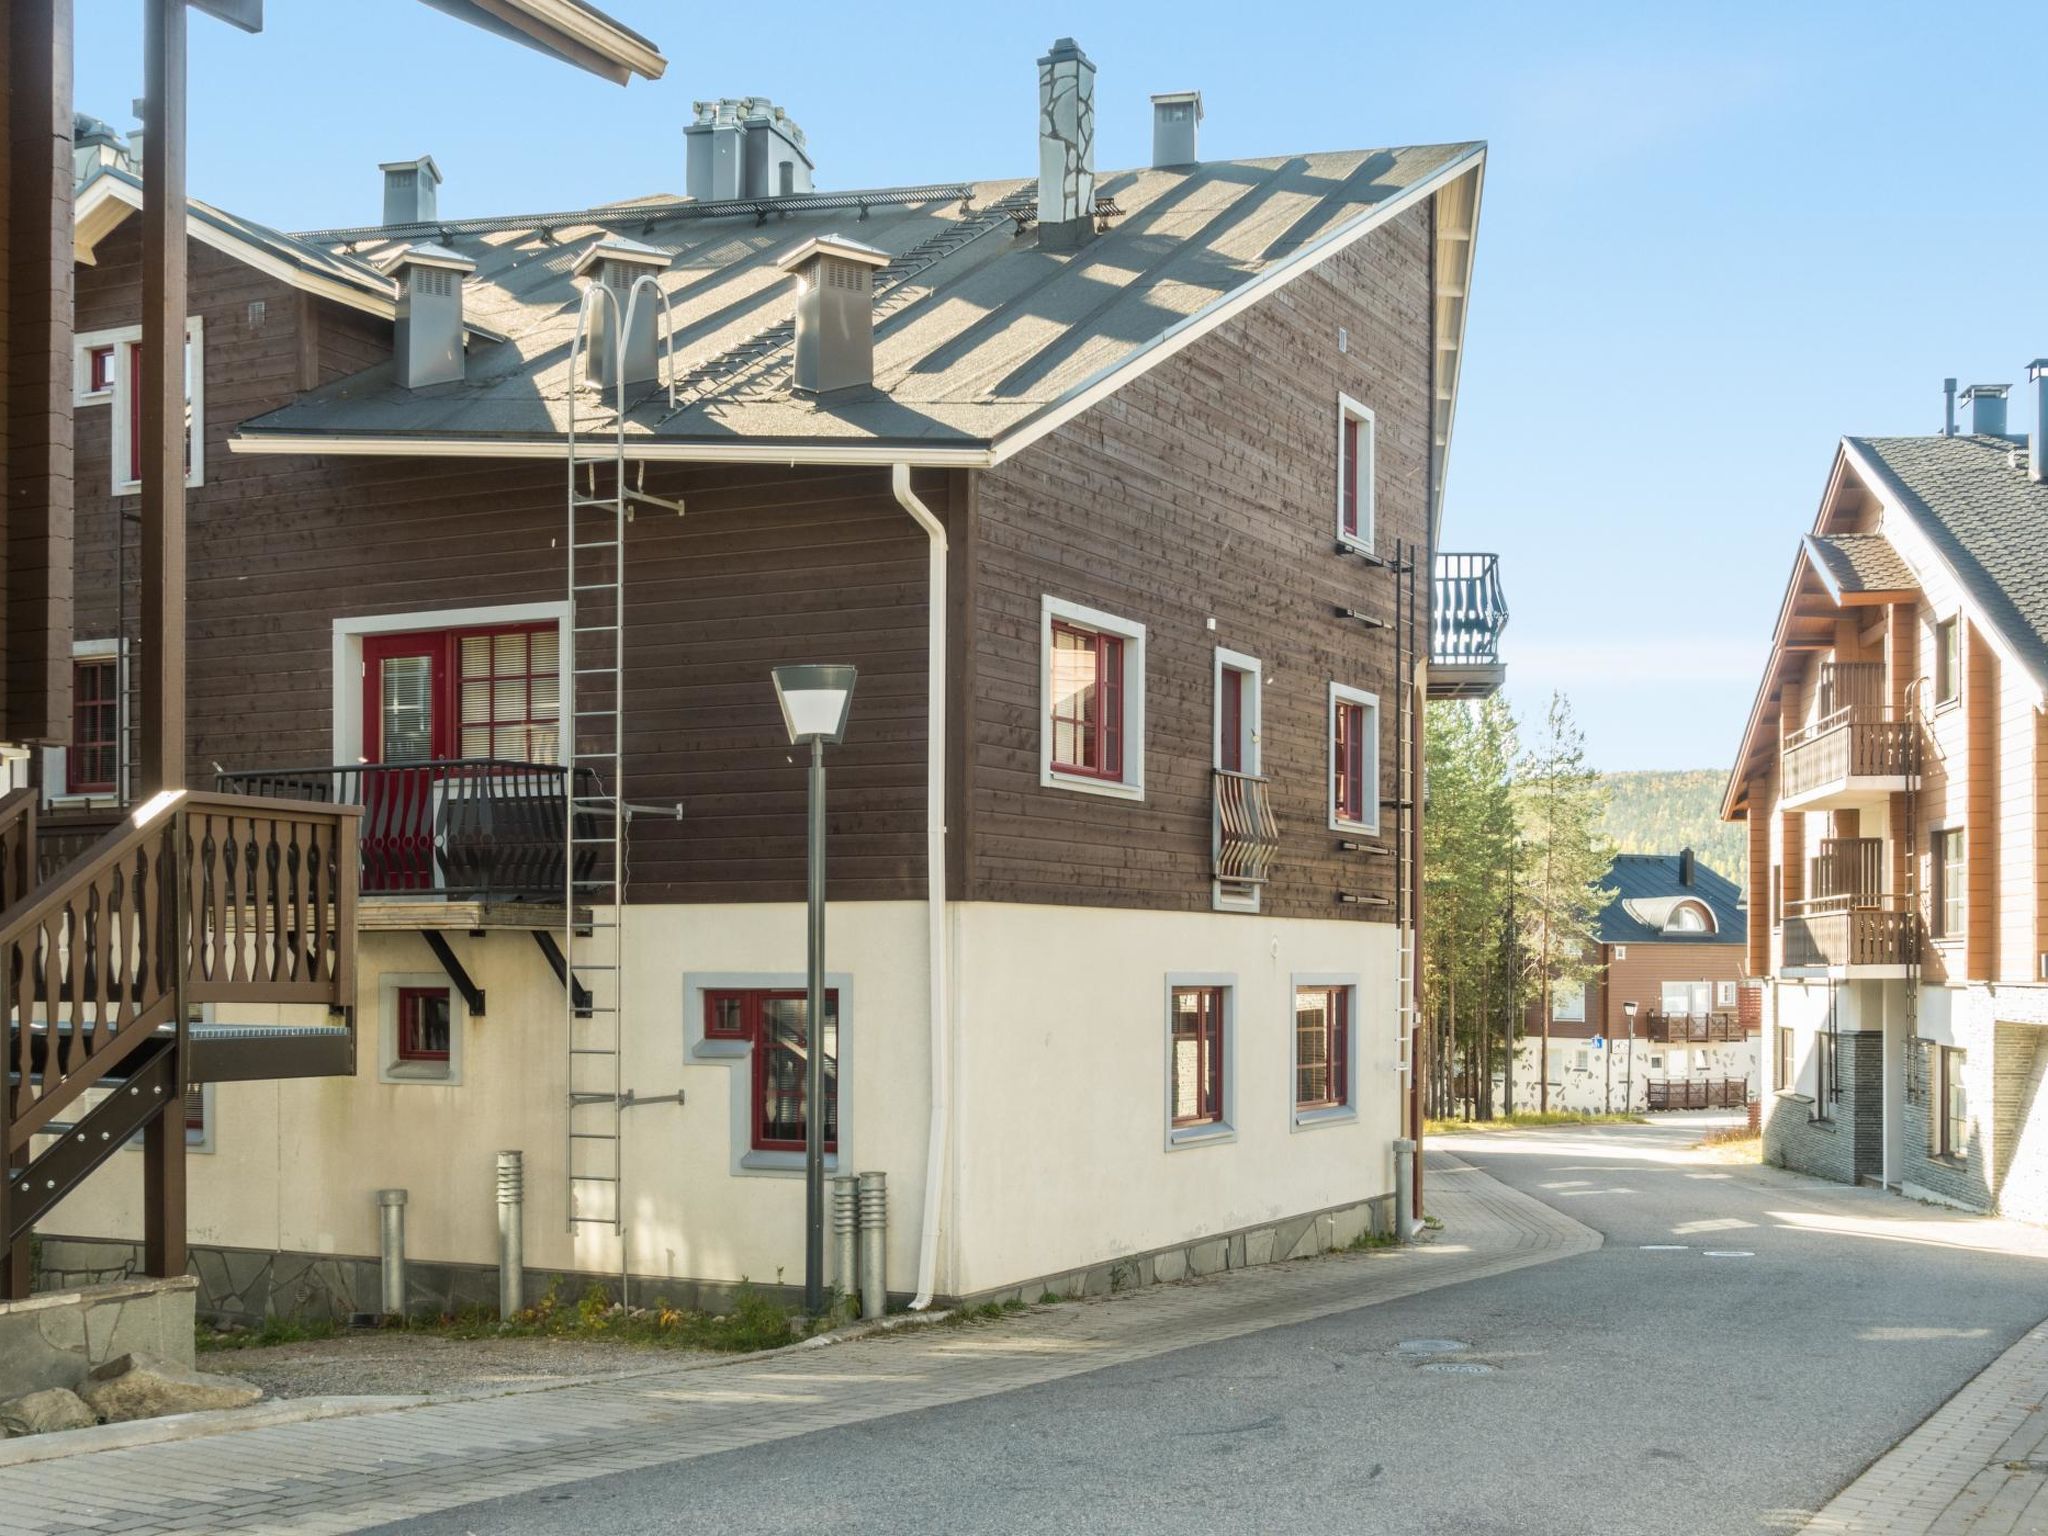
(815, 701)
(1628, 1076)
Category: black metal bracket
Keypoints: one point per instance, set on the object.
(472, 994)
(1364, 618)
(578, 993)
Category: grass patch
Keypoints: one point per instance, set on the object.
(1526, 1119)
(1730, 1135)
(1371, 1239)
(274, 1330)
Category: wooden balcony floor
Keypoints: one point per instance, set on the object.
(392, 914)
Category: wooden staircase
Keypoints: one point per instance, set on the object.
(192, 900)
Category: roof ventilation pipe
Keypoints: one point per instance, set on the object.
(1948, 408)
(1066, 148)
(2037, 451)
(1987, 408)
(427, 343)
(1686, 867)
(1176, 127)
(411, 189)
(835, 313)
(618, 264)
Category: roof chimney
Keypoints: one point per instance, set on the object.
(1987, 409)
(1066, 148)
(409, 190)
(1686, 867)
(744, 147)
(1948, 410)
(2037, 449)
(428, 345)
(1176, 119)
(618, 263)
(835, 313)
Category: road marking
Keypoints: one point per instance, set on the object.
(1666, 1247)
(1712, 1224)
(1729, 1253)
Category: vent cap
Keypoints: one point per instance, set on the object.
(1176, 128)
(427, 340)
(411, 190)
(835, 313)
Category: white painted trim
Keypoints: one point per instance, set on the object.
(790, 454)
(1132, 785)
(119, 454)
(1223, 1131)
(598, 34)
(347, 659)
(1254, 752)
(424, 1074)
(1298, 1118)
(83, 344)
(1349, 409)
(1343, 692)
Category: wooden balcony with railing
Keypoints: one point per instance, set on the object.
(1245, 833)
(1878, 935)
(1714, 1028)
(1697, 1093)
(1856, 751)
(1467, 613)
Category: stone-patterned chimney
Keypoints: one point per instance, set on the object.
(1066, 148)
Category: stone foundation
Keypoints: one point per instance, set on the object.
(55, 1337)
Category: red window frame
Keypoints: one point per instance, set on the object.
(741, 1014)
(444, 646)
(1328, 1052)
(92, 765)
(1196, 1024)
(99, 369)
(135, 411)
(412, 1045)
(1230, 750)
(1347, 761)
(1348, 471)
(1096, 717)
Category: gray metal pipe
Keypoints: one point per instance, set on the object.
(874, 1244)
(1404, 1190)
(511, 1233)
(846, 1239)
(391, 1251)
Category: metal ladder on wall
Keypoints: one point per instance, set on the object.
(596, 813)
(1405, 936)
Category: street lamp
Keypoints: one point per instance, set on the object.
(1628, 1076)
(815, 701)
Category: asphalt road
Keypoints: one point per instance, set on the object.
(1630, 1390)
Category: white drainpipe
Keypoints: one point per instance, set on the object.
(935, 882)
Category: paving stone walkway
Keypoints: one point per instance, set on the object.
(348, 1474)
(1978, 1466)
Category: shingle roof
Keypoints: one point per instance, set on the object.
(1647, 888)
(1861, 562)
(1985, 518)
(976, 328)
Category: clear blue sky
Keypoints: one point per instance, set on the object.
(1714, 238)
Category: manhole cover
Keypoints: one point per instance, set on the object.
(1459, 1368)
(1730, 1253)
(1433, 1346)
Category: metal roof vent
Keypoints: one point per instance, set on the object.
(835, 313)
(744, 146)
(1987, 408)
(1686, 867)
(618, 263)
(1176, 123)
(427, 348)
(1066, 148)
(410, 188)
(2037, 449)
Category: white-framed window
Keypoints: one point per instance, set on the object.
(1568, 1001)
(1325, 1035)
(1241, 805)
(1621, 951)
(91, 767)
(1201, 1059)
(1684, 998)
(1091, 689)
(108, 369)
(422, 1021)
(1355, 461)
(1238, 705)
(1724, 994)
(1688, 917)
(1354, 759)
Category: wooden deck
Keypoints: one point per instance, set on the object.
(412, 914)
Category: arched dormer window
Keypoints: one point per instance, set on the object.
(1689, 917)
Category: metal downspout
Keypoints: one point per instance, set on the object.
(935, 882)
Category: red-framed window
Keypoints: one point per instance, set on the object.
(1350, 729)
(1349, 470)
(99, 370)
(92, 765)
(774, 1024)
(474, 693)
(1230, 749)
(424, 1023)
(1197, 1043)
(1087, 669)
(1322, 1047)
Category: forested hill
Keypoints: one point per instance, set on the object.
(1664, 812)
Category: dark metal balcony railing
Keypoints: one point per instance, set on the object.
(1827, 931)
(1693, 1028)
(1467, 611)
(1698, 1093)
(473, 829)
(1247, 834)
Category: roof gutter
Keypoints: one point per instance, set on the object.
(552, 448)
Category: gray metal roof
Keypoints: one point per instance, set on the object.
(1646, 888)
(976, 329)
(1985, 518)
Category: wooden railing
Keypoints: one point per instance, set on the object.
(18, 868)
(1852, 685)
(1851, 742)
(1847, 870)
(481, 829)
(1828, 932)
(1246, 832)
(1698, 1092)
(1693, 1028)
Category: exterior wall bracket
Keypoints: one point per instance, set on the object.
(472, 994)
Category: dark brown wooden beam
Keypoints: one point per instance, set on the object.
(162, 642)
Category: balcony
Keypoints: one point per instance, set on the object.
(1697, 1093)
(1693, 1029)
(1245, 835)
(460, 843)
(1467, 612)
(1878, 939)
(1856, 754)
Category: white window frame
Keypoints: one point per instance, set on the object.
(1224, 1129)
(118, 454)
(433, 1074)
(1725, 995)
(82, 348)
(1131, 786)
(1302, 1119)
(1349, 409)
(57, 760)
(1343, 693)
(1560, 1010)
(1245, 899)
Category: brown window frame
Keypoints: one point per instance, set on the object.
(1950, 912)
(1948, 659)
(1210, 1018)
(95, 740)
(1336, 1048)
(412, 1029)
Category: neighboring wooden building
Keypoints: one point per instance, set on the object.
(1133, 536)
(1894, 778)
(1672, 941)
